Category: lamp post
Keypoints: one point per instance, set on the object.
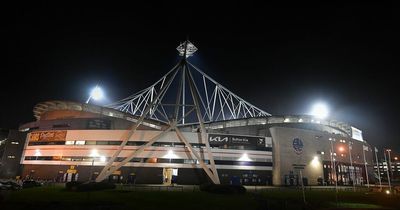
(333, 164)
(387, 171)
(377, 166)
(351, 165)
(390, 162)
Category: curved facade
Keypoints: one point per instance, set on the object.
(74, 141)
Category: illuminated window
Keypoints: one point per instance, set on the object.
(69, 142)
(80, 143)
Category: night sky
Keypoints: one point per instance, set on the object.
(281, 58)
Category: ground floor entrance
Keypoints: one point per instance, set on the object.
(170, 176)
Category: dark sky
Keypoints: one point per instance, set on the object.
(282, 58)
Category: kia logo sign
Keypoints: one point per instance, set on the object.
(298, 146)
(218, 139)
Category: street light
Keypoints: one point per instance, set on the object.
(96, 94)
(341, 149)
(390, 162)
(320, 110)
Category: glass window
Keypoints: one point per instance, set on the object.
(69, 142)
(80, 142)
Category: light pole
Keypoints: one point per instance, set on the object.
(365, 164)
(387, 171)
(333, 164)
(333, 169)
(390, 162)
(351, 165)
(377, 166)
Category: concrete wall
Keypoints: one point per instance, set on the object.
(286, 158)
(10, 161)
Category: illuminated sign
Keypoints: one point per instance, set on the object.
(356, 134)
(48, 136)
(233, 140)
(72, 170)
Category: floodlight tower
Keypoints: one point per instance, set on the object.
(96, 94)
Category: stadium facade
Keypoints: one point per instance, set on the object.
(188, 129)
(74, 141)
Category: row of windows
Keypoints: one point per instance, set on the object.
(156, 144)
(150, 160)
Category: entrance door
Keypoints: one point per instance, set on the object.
(167, 176)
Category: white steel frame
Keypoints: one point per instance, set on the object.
(206, 101)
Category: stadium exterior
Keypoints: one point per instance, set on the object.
(73, 141)
(187, 128)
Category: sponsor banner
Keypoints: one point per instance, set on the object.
(233, 140)
(71, 171)
(356, 134)
(48, 136)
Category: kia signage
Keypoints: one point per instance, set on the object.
(234, 140)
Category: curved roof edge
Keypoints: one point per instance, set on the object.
(46, 106)
(283, 119)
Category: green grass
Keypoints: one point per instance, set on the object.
(327, 199)
(57, 198)
(357, 205)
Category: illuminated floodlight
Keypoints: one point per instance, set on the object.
(96, 93)
(315, 161)
(94, 153)
(37, 152)
(244, 157)
(102, 158)
(170, 155)
(320, 110)
(387, 192)
(190, 49)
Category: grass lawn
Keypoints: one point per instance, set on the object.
(57, 198)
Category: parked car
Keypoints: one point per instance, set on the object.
(31, 183)
(9, 185)
(13, 185)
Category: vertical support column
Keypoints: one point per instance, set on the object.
(129, 133)
(203, 131)
(183, 95)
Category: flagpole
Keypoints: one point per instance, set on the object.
(333, 162)
(351, 164)
(377, 166)
(387, 171)
(365, 164)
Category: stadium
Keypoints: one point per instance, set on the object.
(189, 129)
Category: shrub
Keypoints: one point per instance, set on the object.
(223, 188)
